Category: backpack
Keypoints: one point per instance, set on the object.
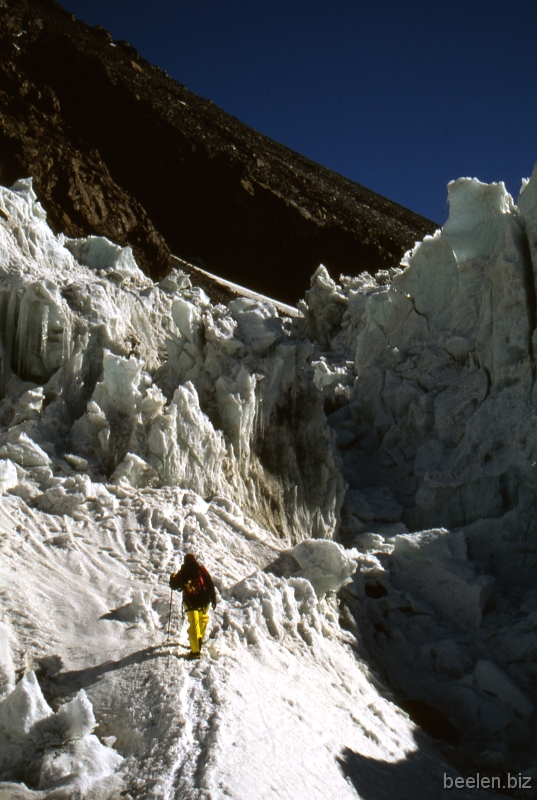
(195, 594)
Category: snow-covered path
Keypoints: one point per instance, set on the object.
(280, 705)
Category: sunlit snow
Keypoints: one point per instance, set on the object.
(323, 468)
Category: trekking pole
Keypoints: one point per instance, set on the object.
(169, 616)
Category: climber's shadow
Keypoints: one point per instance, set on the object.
(73, 680)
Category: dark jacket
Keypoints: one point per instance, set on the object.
(196, 584)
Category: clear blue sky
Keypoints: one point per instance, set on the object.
(399, 96)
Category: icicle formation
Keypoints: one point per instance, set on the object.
(43, 331)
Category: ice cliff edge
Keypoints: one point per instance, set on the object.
(441, 389)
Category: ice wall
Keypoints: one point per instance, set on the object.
(150, 385)
(427, 371)
(441, 404)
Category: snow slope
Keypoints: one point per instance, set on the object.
(138, 422)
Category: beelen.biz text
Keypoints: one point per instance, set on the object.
(485, 782)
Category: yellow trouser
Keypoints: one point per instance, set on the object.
(197, 625)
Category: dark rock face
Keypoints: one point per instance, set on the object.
(118, 148)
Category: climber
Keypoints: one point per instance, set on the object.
(198, 591)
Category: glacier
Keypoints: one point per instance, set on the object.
(359, 476)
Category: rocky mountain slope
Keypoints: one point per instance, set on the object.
(117, 148)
